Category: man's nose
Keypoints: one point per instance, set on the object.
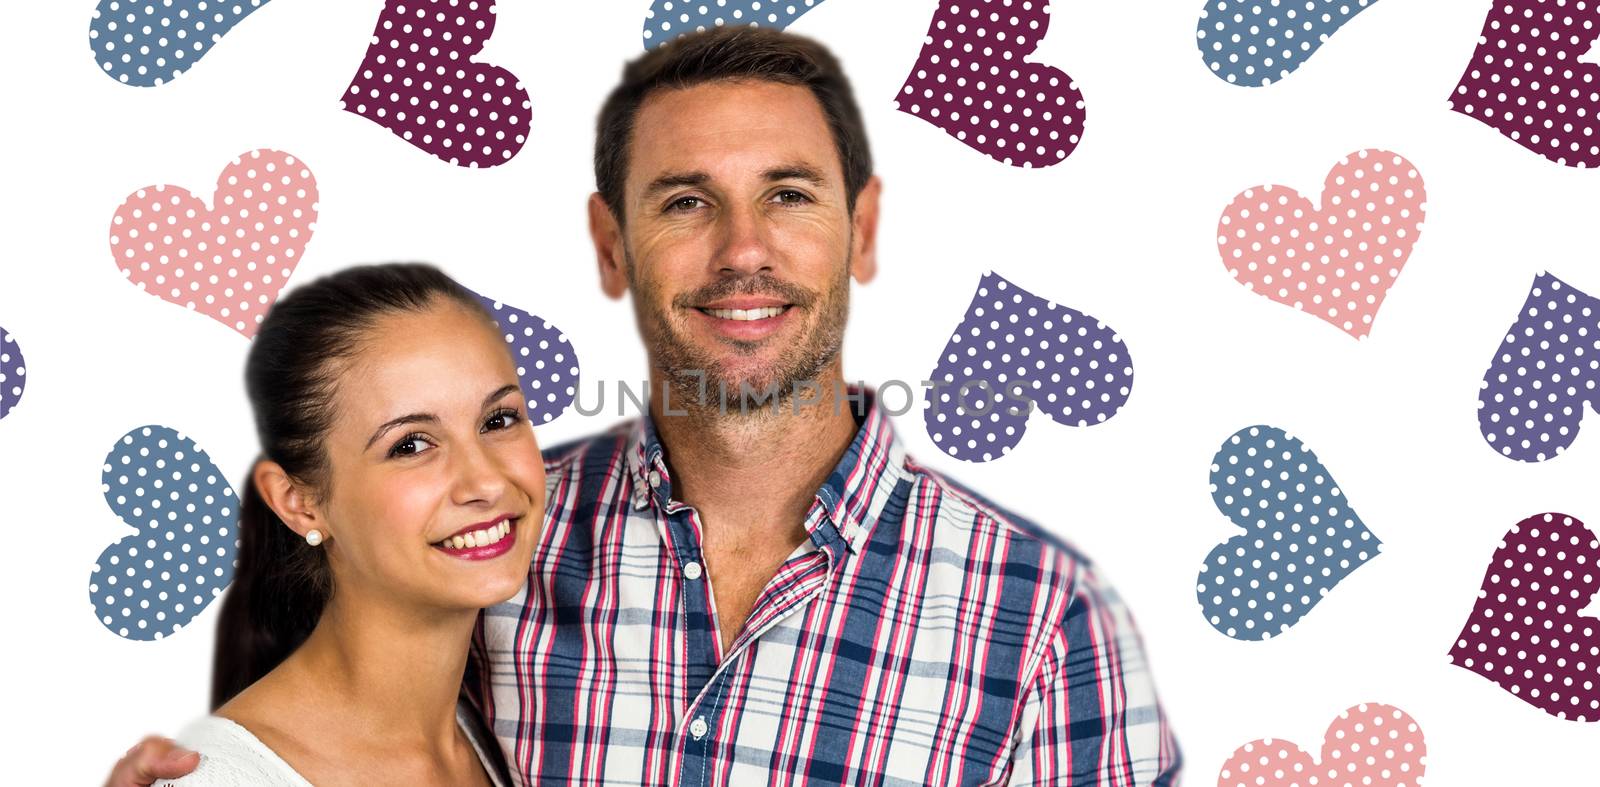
(745, 246)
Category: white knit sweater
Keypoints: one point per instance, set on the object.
(232, 757)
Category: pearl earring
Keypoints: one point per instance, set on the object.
(313, 537)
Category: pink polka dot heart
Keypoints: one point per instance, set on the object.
(1529, 78)
(1527, 632)
(971, 81)
(419, 81)
(1336, 261)
(1369, 745)
(227, 261)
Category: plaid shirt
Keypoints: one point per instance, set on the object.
(922, 635)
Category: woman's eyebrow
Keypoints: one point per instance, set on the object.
(430, 417)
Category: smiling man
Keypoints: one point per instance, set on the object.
(728, 594)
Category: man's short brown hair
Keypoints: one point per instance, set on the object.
(730, 53)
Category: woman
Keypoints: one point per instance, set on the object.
(400, 491)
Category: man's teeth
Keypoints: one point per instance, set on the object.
(479, 538)
(746, 314)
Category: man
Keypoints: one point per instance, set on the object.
(752, 585)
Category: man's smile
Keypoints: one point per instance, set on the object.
(744, 319)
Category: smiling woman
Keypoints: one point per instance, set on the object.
(400, 491)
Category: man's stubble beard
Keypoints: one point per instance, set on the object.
(700, 384)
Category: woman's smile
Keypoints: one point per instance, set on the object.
(481, 541)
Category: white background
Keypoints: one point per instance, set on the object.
(1124, 230)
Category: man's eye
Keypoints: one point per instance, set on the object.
(675, 204)
(782, 195)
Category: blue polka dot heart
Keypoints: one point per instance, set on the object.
(152, 583)
(668, 19)
(1257, 42)
(145, 43)
(1301, 536)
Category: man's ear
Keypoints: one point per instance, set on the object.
(865, 231)
(291, 502)
(606, 232)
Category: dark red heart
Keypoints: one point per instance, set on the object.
(419, 81)
(1525, 81)
(970, 80)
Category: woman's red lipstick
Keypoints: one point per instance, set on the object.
(482, 541)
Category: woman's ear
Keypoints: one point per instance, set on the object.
(289, 500)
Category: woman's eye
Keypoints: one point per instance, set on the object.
(409, 439)
(510, 417)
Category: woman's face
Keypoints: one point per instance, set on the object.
(437, 485)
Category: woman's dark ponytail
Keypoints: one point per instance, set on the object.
(274, 602)
(281, 583)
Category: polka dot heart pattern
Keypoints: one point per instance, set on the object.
(1369, 745)
(1301, 537)
(419, 81)
(1531, 401)
(1525, 632)
(1252, 43)
(1526, 81)
(1336, 261)
(668, 19)
(227, 261)
(971, 81)
(547, 367)
(150, 584)
(1014, 351)
(13, 374)
(147, 43)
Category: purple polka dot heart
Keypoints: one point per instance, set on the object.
(1526, 79)
(1530, 403)
(547, 366)
(1526, 632)
(1015, 351)
(971, 81)
(13, 374)
(152, 582)
(419, 81)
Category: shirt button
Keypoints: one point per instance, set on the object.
(698, 728)
(655, 479)
(691, 570)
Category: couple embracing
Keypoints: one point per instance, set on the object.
(706, 595)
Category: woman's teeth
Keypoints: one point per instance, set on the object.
(478, 538)
(746, 314)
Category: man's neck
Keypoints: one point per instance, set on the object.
(752, 476)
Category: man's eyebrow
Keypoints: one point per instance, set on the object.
(672, 180)
(803, 172)
(414, 418)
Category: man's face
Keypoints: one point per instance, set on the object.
(739, 245)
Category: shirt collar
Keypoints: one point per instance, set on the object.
(853, 496)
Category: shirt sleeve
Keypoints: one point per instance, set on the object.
(1092, 718)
